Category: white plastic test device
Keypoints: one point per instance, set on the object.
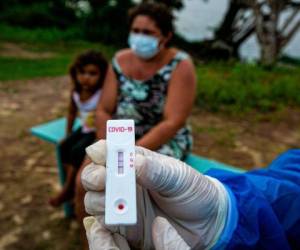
(120, 189)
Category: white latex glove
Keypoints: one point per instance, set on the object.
(178, 208)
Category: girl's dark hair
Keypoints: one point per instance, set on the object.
(159, 12)
(88, 57)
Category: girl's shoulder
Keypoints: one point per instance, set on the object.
(81, 97)
(74, 92)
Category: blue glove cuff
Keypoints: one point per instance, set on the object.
(231, 222)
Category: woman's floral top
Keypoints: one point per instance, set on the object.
(143, 101)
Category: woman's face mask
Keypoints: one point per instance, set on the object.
(144, 46)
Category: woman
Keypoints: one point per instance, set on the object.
(151, 83)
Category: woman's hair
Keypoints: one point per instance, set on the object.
(88, 57)
(158, 12)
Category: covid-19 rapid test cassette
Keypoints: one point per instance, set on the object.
(120, 190)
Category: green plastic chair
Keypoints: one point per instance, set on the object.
(54, 132)
(203, 164)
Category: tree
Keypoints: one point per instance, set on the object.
(37, 13)
(237, 25)
(271, 36)
(107, 21)
(246, 17)
(103, 20)
(173, 4)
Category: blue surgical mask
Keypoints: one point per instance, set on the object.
(144, 46)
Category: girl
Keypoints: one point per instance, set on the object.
(87, 74)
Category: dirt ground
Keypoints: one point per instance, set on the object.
(28, 174)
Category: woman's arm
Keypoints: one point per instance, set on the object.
(72, 112)
(107, 103)
(179, 103)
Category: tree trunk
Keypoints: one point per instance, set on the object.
(235, 27)
(225, 30)
(270, 37)
(266, 31)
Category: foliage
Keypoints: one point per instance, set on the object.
(237, 87)
(38, 35)
(37, 14)
(173, 4)
(104, 21)
(107, 21)
(16, 68)
(52, 41)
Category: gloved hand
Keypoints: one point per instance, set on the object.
(178, 208)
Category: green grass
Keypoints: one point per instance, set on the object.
(64, 45)
(231, 87)
(14, 69)
(237, 87)
(49, 35)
